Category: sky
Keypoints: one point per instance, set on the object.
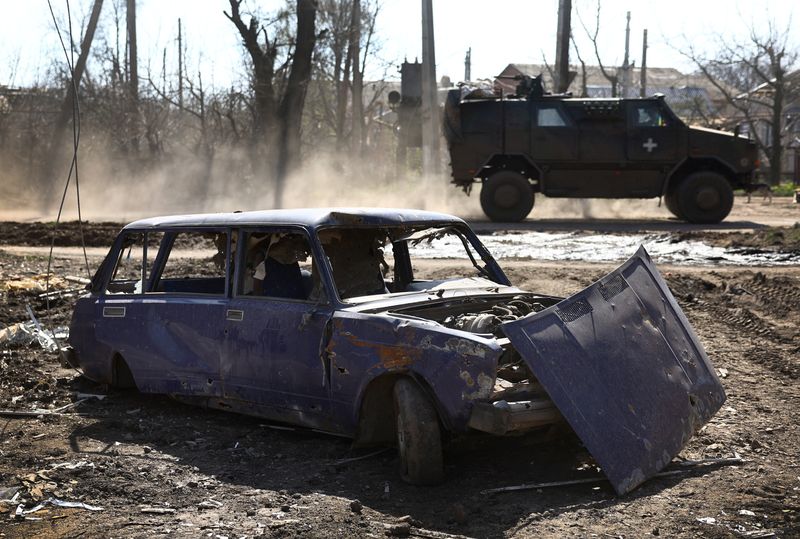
(499, 33)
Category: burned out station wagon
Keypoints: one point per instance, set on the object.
(319, 318)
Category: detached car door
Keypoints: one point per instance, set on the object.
(625, 369)
(275, 322)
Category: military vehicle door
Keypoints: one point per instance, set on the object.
(554, 136)
(517, 126)
(602, 132)
(652, 132)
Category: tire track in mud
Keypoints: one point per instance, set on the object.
(760, 313)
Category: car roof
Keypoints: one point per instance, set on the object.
(313, 217)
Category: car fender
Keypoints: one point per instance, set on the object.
(456, 367)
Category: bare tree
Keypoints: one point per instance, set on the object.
(279, 90)
(610, 75)
(346, 47)
(754, 76)
(68, 105)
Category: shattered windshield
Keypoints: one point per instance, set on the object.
(384, 260)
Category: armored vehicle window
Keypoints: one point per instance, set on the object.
(196, 263)
(550, 117)
(279, 264)
(134, 263)
(649, 115)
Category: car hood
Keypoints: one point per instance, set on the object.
(625, 368)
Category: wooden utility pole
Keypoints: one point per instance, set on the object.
(626, 66)
(180, 66)
(68, 105)
(430, 102)
(358, 78)
(561, 82)
(643, 74)
(468, 65)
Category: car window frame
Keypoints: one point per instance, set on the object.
(468, 234)
(319, 261)
(111, 264)
(167, 243)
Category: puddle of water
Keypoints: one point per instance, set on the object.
(606, 248)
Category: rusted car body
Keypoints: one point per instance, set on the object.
(316, 318)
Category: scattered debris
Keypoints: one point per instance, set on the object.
(360, 457)
(746, 513)
(40, 412)
(157, 510)
(356, 506)
(9, 494)
(58, 503)
(398, 529)
(687, 465)
(711, 521)
(38, 283)
(210, 503)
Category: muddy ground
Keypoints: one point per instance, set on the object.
(159, 468)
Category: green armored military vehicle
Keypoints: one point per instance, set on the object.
(560, 146)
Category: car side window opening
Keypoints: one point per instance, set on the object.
(134, 263)
(280, 265)
(196, 263)
(357, 259)
(129, 271)
(550, 117)
(649, 115)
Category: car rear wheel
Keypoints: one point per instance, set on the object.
(419, 438)
(705, 197)
(507, 196)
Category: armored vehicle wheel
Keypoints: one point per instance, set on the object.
(506, 196)
(705, 197)
(419, 439)
(671, 202)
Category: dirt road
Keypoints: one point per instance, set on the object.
(159, 468)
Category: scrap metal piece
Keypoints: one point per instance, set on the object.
(625, 368)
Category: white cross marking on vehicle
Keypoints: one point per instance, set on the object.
(650, 145)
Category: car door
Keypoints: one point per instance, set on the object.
(272, 361)
(164, 315)
(184, 307)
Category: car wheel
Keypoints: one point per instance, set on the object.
(419, 438)
(705, 197)
(671, 202)
(507, 196)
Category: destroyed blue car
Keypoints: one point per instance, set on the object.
(344, 321)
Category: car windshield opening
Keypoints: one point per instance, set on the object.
(376, 261)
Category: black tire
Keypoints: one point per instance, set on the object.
(705, 197)
(419, 439)
(671, 202)
(507, 196)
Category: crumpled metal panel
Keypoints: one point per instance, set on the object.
(625, 368)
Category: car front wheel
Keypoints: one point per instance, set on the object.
(507, 196)
(419, 439)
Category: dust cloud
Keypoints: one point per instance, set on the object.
(109, 192)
